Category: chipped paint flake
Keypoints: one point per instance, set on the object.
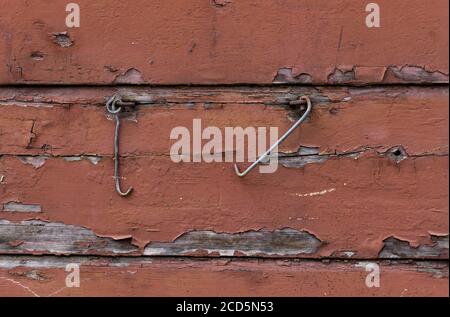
(131, 76)
(395, 248)
(35, 161)
(93, 159)
(285, 76)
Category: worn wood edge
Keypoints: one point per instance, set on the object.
(44, 237)
(340, 102)
(273, 53)
(173, 95)
(47, 276)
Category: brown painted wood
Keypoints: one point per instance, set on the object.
(365, 178)
(379, 156)
(166, 277)
(348, 203)
(202, 42)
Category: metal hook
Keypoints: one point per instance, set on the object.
(295, 126)
(112, 109)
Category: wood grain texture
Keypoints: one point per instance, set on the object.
(372, 198)
(39, 237)
(199, 42)
(186, 277)
(363, 181)
(69, 121)
(378, 156)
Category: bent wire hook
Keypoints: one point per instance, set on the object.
(115, 110)
(275, 145)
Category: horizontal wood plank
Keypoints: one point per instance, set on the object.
(25, 276)
(67, 122)
(351, 204)
(203, 42)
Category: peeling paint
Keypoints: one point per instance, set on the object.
(273, 47)
(341, 76)
(13, 206)
(308, 150)
(282, 242)
(37, 56)
(111, 68)
(21, 285)
(130, 276)
(304, 155)
(391, 74)
(311, 155)
(93, 159)
(414, 74)
(72, 158)
(395, 248)
(344, 254)
(319, 193)
(301, 161)
(131, 76)
(35, 161)
(62, 39)
(9, 262)
(31, 274)
(40, 237)
(200, 66)
(369, 74)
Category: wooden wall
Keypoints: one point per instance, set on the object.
(363, 181)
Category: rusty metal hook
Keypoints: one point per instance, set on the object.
(114, 110)
(275, 145)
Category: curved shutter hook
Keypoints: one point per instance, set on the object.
(295, 126)
(115, 110)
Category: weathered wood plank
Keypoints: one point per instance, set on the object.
(27, 276)
(199, 42)
(282, 243)
(349, 203)
(73, 121)
(39, 237)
